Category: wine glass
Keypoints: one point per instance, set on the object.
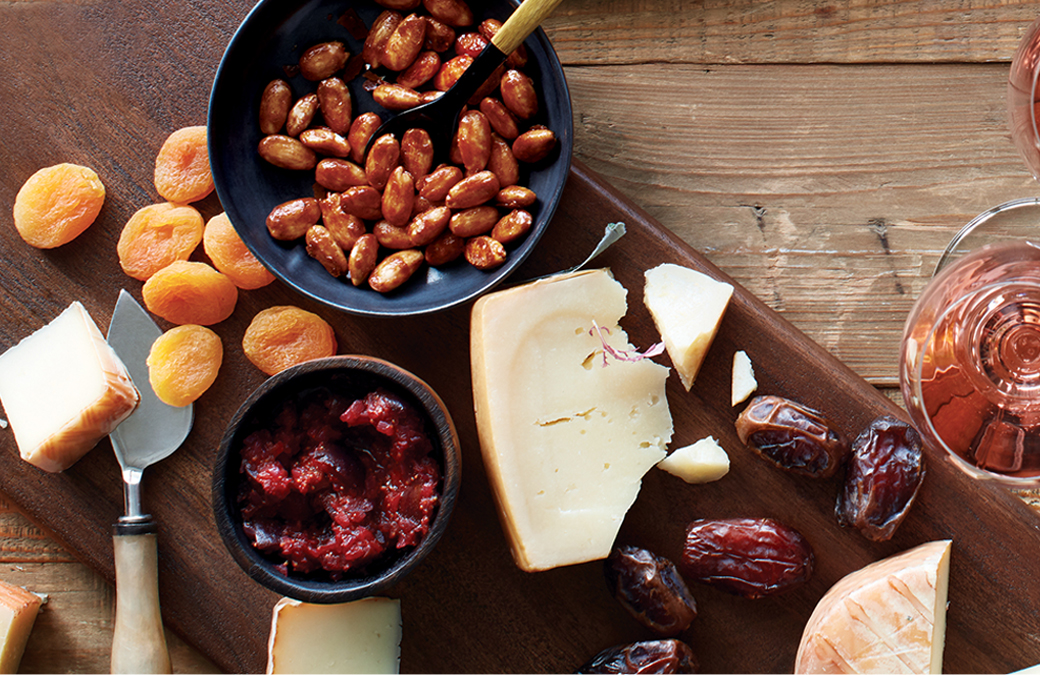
(970, 359)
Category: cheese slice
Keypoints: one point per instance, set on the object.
(566, 429)
(363, 636)
(744, 383)
(64, 389)
(687, 307)
(18, 610)
(888, 617)
(702, 462)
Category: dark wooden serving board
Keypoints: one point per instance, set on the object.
(468, 608)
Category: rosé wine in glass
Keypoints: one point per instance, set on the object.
(970, 361)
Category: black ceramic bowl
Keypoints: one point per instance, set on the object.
(352, 377)
(271, 38)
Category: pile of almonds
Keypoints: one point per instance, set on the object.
(381, 216)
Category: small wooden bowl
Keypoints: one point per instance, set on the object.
(352, 376)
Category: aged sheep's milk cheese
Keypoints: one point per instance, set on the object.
(63, 389)
(363, 636)
(888, 617)
(702, 462)
(687, 307)
(568, 424)
(18, 610)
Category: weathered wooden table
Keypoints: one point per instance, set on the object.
(821, 154)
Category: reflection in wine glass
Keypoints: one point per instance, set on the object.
(970, 360)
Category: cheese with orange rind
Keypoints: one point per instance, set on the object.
(888, 617)
(18, 610)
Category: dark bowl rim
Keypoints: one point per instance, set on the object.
(548, 207)
(446, 442)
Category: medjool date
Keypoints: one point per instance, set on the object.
(750, 557)
(792, 436)
(883, 476)
(652, 656)
(650, 588)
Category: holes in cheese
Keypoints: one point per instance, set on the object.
(363, 636)
(687, 307)
(888, 617)
(64, 389)
(566, 439)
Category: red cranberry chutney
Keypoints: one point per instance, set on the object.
(332, 485)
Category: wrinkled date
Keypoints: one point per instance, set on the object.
(650, 588)
(750, 557)
(883, 476)
(652, 656)
(792, 436)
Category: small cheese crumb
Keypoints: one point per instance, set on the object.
(744, 382)
(703, 462)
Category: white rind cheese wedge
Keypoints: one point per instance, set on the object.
(744, 383)
(18, 610)
(889, 617)
(363, 636)
(703, 462)
(64, 389)
(687, 307)
(566, 439)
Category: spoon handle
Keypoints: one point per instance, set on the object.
(528, 16)
(138, 640)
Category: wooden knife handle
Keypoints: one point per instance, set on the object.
(528, 16)
(138, 640)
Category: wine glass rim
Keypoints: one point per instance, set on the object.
(949, 252)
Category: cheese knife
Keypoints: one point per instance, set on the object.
(150, 434)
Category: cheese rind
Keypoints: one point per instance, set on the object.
(687, 307)
(888, 617)
(744, 383)
(566, 432)
(702, 462)
(64, 389)
(363, 636)
(18, 610)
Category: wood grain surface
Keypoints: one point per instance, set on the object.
(820, 154)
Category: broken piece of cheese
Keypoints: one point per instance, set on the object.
(363, 636)
(702, 462)
(888, 617)
(687, 307)
(744, 383)
(566, 439)
(64, 389)
(18, 610)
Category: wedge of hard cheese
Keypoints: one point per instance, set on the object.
(567, 431)
(63, 389)
(889, 617)
(363, 636)
(687, 307)
(18, 610)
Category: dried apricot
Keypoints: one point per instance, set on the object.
(283, 336)
(183, 363)
(57, 203)
(156, 236)
(190, 292)
(182, 172)
(230, 255)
